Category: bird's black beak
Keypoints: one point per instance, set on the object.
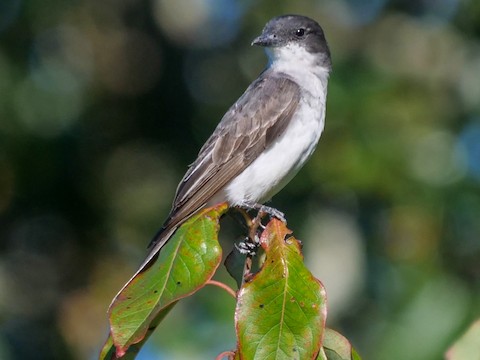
(265, 40)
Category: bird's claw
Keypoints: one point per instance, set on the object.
(272, 212)
(264, 209)
(248, 246)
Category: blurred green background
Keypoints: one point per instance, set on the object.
(104, 103)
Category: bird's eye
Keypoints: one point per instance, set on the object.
(300, 32)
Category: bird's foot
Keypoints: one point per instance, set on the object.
(255, 226)
(272, 212)
(248, 246)
(264, 209)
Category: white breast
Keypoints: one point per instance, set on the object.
(275, 167)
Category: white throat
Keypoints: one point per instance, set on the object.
(295, 61)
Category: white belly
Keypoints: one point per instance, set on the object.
(274, 168)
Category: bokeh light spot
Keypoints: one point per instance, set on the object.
(44, 113)
(61, 60)
(198, 23)
(469, 83)
(365, 11)
(469, 140)
(406, 46)
(332, 235)
(436, 160)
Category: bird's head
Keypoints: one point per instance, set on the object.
(291, 35)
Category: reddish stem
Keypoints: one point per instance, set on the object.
(223, 286)
(230, 355)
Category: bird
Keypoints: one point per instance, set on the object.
(267, 135)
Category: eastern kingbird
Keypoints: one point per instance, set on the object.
(267, 135)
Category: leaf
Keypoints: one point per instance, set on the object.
(468, 346)
(337, 347)
(321, 354)
(109, 352)
(185, 264)
(281, 312)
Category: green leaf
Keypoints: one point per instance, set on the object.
(468, 346)
(281, 312)
(322, 355)
(109, 352)
(185, 264)
(337, 347)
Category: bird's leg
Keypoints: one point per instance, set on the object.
(251, 242)
(262, 210)
(272, 212)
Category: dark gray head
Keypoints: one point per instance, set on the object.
(294, 29)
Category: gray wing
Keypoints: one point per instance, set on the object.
(249, 127)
